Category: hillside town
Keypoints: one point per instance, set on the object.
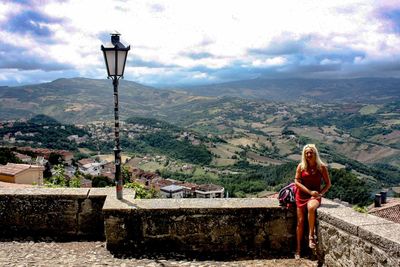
(31, 172)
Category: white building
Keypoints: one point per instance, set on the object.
(172, 191)
(209, 191)
(92, 168)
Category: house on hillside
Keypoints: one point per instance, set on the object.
(21, 173)
(92, 168)
(209, 191)
(24, 158)
(389, 210)
(171, 191)
(85, 161)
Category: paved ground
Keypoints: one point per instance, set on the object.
(15, 253)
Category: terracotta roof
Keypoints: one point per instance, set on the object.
(86, 161)
(22, 156)
(12, 169)
(389, 210)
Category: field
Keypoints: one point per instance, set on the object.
(370, 109)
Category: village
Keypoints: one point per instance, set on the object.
(31, 170)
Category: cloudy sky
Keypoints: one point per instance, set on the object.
(200, 41)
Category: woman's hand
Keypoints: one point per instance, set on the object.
(315, 194)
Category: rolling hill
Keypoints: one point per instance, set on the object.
(81, 100)
(363, 90)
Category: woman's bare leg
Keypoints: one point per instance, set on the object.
(312, 205)
(300, 228)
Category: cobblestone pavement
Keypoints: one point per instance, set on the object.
(15, 253)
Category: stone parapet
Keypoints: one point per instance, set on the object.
(54, 213)
(200, 228)
(350, 238)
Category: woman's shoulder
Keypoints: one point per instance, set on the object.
(323, 167)
(299, 167)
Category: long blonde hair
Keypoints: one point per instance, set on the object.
(318, 161)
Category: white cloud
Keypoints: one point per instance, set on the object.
(327, 61)
(162, 32)
(275, 61)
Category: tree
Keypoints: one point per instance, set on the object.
(126, 175)
(7, 155)
(141, 191)
(47, 170)
(58, 179)
(55, 158)
(75, 182)
(101, 181)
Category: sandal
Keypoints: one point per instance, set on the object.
(297, 256)
(312, 243)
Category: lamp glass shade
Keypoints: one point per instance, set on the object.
(115, 61)
(122, 54)
(115, 58)
(109, 56)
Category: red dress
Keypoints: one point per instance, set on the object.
(313, 182)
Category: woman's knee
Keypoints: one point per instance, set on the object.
(312, 209)
(312, 206)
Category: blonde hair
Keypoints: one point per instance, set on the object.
(304, 164)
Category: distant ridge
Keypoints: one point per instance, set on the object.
(81, 100)
(366, 90)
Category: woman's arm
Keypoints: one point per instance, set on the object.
(327, 180)
(300, 186)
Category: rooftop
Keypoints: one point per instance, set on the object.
(171, 188)
(389, 210)
(209, 187)
(13, 168)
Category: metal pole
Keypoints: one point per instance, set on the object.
(117, 149)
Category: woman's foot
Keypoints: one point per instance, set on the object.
(312, 243)
(297, 256)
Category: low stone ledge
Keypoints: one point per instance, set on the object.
(349, 237)
(199, 228)
(372, 228)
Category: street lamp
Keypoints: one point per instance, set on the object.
(115, 56)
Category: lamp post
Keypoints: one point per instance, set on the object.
(115, 56)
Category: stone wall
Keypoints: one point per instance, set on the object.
(200, 228)
(349, 238)
(52, 213)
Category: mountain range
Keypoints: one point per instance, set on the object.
(362, 90)
(81, 100)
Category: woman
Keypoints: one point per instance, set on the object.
(309, 173)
